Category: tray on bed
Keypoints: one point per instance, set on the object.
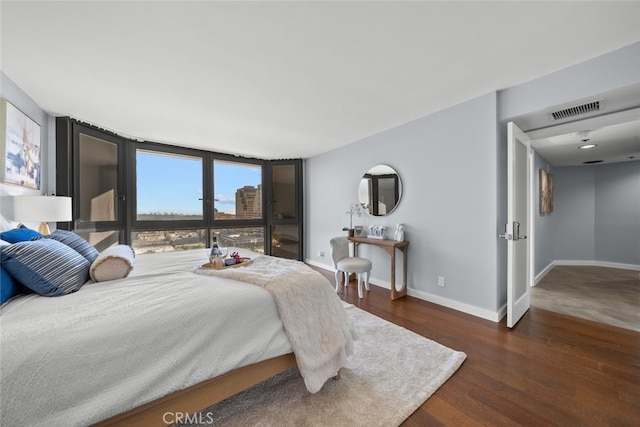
(243, 262)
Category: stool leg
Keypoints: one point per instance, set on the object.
(337, 279)
(359, 285)
(366, 279)
(346, 279)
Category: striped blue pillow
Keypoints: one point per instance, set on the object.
(75, 242)
(46, 266)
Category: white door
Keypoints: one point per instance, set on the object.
(519, 221)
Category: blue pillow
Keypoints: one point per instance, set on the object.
(20, 234)
(9, 288)
(75, 242)
(46, 266)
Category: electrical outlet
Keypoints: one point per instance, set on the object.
(321, 253)
(441, 281)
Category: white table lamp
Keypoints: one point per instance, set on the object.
(42, 208)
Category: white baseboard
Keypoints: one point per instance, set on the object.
(457, 305)
(320, 265)
(477, 311)
(543, 273)
(586, 263)
(445, 302)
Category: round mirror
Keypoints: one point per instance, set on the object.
(380, 190)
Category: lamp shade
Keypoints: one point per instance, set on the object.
(42, 208)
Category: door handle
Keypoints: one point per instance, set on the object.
(516, 231)
(506, 235)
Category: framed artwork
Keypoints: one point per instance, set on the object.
(546, 191)
(21, 160)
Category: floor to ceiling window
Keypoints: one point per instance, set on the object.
(285, 207)
(238, 198)
(97, 187)
(168, 191)
(161, 198)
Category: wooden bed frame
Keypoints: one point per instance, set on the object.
(202, 395)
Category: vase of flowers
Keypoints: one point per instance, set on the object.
(354, 209)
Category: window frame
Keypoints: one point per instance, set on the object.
(67, 171)
(67, 182)
(269, 198)
(148, 225)
(244, 222)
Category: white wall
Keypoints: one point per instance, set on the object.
(24, 103)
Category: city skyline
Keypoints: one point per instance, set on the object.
(180, 192)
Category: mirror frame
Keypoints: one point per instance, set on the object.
(373, 194)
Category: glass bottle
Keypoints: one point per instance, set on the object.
(215, 257)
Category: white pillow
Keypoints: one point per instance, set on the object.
(3, 243)
(113, 263)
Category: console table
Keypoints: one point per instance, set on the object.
(389, 246)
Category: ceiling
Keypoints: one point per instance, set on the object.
(289, 79)
(609, 144)
(613, 128)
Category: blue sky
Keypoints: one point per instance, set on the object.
(169, 183)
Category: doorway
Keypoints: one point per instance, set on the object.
(589, 288)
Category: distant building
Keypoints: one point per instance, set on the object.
(222, 215)
(249, 202)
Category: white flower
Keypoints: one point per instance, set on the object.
(354, 209)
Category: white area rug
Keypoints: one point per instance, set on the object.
(394, 371)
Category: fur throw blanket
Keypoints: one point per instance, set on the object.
(318, 327)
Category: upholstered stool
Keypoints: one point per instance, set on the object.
(345, 264)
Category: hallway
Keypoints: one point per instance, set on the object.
(606, 295)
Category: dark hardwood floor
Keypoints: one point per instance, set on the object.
(551, 369)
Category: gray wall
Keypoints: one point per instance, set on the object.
(614, 70)
(573, 219)
(596, 216)
(617, 212)
(452, 164)
(453, 167)
(448, 166)
(544, 245)
(10, 91)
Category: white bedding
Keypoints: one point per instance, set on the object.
(319, 330)
(112, 346)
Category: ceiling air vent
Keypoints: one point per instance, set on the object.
(577, 110)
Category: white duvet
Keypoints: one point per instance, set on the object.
(112, 346)
(319, 330)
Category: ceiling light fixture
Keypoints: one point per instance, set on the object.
(585, 147)
(582, 135)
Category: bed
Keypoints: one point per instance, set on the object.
(144, 349)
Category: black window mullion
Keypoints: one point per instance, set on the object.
(91, 131)
(140, 225)
(207, 194)
(68, 133)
